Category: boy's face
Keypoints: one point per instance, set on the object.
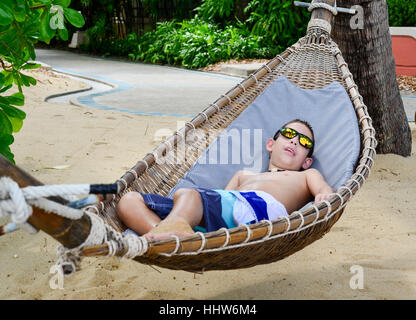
(288, 153)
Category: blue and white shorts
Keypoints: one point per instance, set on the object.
(225, 208)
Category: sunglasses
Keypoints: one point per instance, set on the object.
(290, 133)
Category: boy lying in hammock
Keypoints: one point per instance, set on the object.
(248, 197)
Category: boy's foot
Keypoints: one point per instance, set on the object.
(166, 228)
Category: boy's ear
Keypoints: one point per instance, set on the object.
(307, 163)
(269, 144)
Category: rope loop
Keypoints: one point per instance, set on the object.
(16, 206)
(269, 229)
(203, 240)
(242, 87)
(317, 213)
(227, 97)
(228, 237)
(254, 77)
(249, 233)
(288, 223)
(315, 5)
(303, 219)
(215, 106)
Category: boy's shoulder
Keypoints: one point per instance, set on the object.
(312, 171)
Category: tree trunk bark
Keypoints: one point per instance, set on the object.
(368, 51)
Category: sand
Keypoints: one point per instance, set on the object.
(377, 231)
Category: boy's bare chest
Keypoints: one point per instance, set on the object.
(289, 178)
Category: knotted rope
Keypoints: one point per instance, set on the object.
(321, 5)
(101, 233)
(17, 203)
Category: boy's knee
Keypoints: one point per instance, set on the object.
(185, 192)
(128, 201)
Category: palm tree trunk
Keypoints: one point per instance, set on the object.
(368, 52)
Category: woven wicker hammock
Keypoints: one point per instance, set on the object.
(313, 62)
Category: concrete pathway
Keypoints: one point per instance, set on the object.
(140, 88)
(151, 89)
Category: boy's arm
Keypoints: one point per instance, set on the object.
(233, 183)
(317, 185)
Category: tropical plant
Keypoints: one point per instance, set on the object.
(196, 43)
(22, 24)
(277, 20)
(218, 11)
(402, 13)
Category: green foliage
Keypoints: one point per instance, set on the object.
(271, 27)
(278, 20)
(22, 24)
(402, 13)
(114, 47)
(219, 11)
(195, 44)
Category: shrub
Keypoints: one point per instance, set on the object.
(218, 11)
(402, 13)
(195, 44)
(277, 20)
(214, 34)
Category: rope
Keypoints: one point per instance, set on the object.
(101, 233)
(321, 24)
(321, 5)
(16, 202)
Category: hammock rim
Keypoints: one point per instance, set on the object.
(225, 239)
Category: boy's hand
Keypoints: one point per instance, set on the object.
(321, 197)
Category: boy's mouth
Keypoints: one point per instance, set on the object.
(290, 150)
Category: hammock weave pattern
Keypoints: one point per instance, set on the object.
(313, 62)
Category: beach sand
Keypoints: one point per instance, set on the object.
(69, 144)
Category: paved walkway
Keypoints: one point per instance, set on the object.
(141, 88)
(151, 89)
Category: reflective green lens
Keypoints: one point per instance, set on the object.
(303, 140)
(289, 133)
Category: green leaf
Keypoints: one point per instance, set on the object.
(19, 11)
(5, 151)
(6, 15)
(27, 80)
(16, 124)
(6, 140)
(74, 17)
(13, 112)
(17, 99)
(31, 65)
(2, 80)
(46, 33)
(6, 88)
(9, 79)
(63, 34)
(62, 3)
(5, 124)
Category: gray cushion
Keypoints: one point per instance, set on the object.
(329, 111)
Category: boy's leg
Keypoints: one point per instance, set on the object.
(135, 214)
(187, 212)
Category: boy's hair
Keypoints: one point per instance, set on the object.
(304, 123)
